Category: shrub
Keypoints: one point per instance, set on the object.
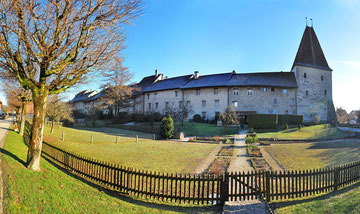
(251, 139)
(300, 126)
(263, 121)
(197, 118)
(290, 119)
(167, 127)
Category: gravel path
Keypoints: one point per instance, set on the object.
(246, 207)
(240, 162)
(4, 125)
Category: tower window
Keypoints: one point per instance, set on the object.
(148, 96)
(217, 103)
(156, 105)
(166, 104)
(250, 91)
(322, 78)
(203, 103)
(272, 89)
(307, 93)
(216, 91)
(176, 93)
(305, 75)
(197, 91)
(325, 92)
(236, 91)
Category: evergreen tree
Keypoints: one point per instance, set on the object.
(167, 127)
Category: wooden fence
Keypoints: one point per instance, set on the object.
(204, 189)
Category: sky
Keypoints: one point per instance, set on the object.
(180, 37)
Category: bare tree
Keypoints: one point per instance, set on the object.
(58, 110)
(342, 115)
(18, 98)
(118, 86)
(52, 45)
(229, 117)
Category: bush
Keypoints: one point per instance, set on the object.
(263, 121)
(167, 127)
(290, 119)
(197, 118)
(251, 139)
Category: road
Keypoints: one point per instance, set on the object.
(4, 125)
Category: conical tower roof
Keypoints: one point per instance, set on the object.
(310, 52)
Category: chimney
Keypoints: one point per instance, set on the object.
(233, 72)
(196, 74)
(156, 72)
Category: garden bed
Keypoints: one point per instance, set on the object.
(226, 151)
(219, 166)
(260, 164)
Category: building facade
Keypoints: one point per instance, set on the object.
(306, 90)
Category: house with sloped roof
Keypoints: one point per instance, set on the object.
(304, 90)
(79, 101)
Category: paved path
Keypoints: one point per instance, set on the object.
(240, 162)
(4, 124)
(349, 129)
(245, 207)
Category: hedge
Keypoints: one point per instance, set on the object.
(271, 121)
(263, 121)
(290, 119)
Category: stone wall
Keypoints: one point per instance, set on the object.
(311, 97)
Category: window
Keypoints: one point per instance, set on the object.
(286, 111)
(155, 95)
(166, 104)
(264, 89)
(272, 89)
(236, 91)
(292, 102)
(176, 93)
(156, 105)
(149, 106)
(148, 96)
(322, 78)
(249, 91)
(180, 104)
(197, 91)
(203, 103)
(307, 93)
(325, 92)
(285, 91)
(217, 103)
(235, 104)
(216, 91)
(275, 101)
(187, 103)
(305, 75)
(203, 115)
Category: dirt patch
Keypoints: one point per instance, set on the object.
(227, 151)
(219, 166)
(260, 164)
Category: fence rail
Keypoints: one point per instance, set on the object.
(204, 189)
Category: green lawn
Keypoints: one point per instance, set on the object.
(298, 156)
(164, 156)
(346, 201)
(309, 132)
(53, 191)
(204, 129)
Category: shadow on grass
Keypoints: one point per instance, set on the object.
(143, 203)
(5, 152)
(325, 196)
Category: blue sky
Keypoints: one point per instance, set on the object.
(179, 37)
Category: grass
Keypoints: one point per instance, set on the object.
(300, 156)
(163, 156)
(204, 129)
(310, 132)
(346, 200)
(54, 191)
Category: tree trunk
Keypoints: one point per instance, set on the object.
(37, 131)
(52, 126)
(17, 118)
(23, 119)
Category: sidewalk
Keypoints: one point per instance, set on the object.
(240, 162)
(4, 124)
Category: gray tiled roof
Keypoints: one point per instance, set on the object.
(169, 83)
(276, 79)
(81, 96)
(214, 80)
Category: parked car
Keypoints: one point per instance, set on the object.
(2, 116)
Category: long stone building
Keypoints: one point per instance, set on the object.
(306, 89)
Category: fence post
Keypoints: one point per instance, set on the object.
(92, 138)
(137, 138)
(336, 178)
(267, 186)
(117, 139)
(63, 136)
(154, 137)
(224, 192)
